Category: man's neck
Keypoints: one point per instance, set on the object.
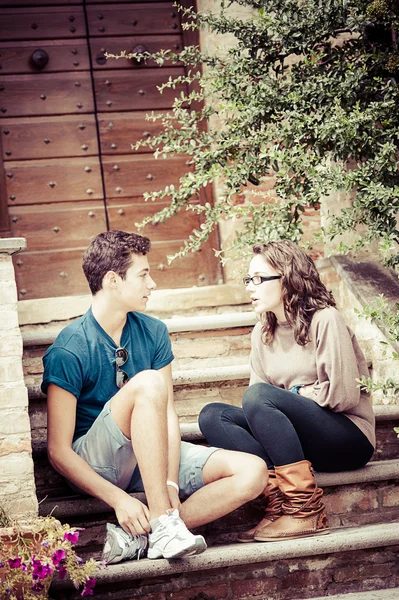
(112, 319)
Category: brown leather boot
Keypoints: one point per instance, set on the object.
(304, 513)
(274, 499)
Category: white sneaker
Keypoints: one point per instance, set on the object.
(172, 539)
(120, 545)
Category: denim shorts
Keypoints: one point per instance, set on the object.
(109, 452)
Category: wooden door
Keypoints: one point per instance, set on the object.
(68, 118)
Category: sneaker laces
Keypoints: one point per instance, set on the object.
(131, 550)
(174, 519)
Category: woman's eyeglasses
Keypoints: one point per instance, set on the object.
(258, 279)
(121, 356)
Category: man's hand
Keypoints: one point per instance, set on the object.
(132, 514)
(174, 498)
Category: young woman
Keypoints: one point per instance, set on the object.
(303, 406)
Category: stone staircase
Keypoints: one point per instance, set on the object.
(358, 559)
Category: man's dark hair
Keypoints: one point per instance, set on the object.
(111, 251)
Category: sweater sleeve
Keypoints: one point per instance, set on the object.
(336, 364)
(256, 370)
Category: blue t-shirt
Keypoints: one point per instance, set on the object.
(82, 360)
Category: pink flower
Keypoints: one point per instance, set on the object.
(89, 587)
(40, 571)
(58, 556)
(14, 563)
(61, 570)
(71, 536)
(37, 587)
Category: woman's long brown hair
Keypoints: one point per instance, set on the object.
(303, 293)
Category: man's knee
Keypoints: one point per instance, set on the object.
(146, 386)
(253, 476)
(249, 471)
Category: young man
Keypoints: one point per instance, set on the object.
(112, 425)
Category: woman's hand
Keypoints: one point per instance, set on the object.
(308, 391)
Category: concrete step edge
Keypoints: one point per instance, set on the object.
(47, 336)
(80, 506)
(229, 373)
(185, 377)
(339, 540)
(388, 594)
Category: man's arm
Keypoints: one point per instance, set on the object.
(174, 439)
(61, 416)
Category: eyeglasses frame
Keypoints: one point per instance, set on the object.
(247, 280)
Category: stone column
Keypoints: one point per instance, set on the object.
(17, 483)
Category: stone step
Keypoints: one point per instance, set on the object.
(193, 389)
(208, 340)
(347, 560)
(389, 594)
(353, 498)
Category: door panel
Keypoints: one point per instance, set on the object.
(136, 19)
(133, 90)
(58, 226)
(56, 109)
(63, 55)
(123, 214)
(47, 274)
(62, 273)
(115, 45)
(120, 130)
(42, 23)
(43, 181)
(47, 94)
(131, 176)
(49, 137)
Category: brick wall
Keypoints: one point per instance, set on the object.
(17, 487)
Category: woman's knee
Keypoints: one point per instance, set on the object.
(209, 414)
(256, 395)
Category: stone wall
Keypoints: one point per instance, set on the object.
(374, 344)
(17, 487)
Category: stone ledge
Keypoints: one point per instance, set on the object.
(390, 594)
(181, 378)
(12, 245)
(73, 506)
(46, 310)
(45, 337)
(339, 540)
(367, 279)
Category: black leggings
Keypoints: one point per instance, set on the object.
(282, 428)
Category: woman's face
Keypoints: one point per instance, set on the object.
(266, 297)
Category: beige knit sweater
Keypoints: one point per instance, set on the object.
(331, 362)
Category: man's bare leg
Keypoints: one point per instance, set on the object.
(231, 479)
(139, 410)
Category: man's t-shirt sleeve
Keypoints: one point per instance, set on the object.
(163, 351)
(64, 369)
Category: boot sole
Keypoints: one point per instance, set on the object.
(249, 541)
(291, 537)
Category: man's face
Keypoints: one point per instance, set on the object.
(137, 286)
